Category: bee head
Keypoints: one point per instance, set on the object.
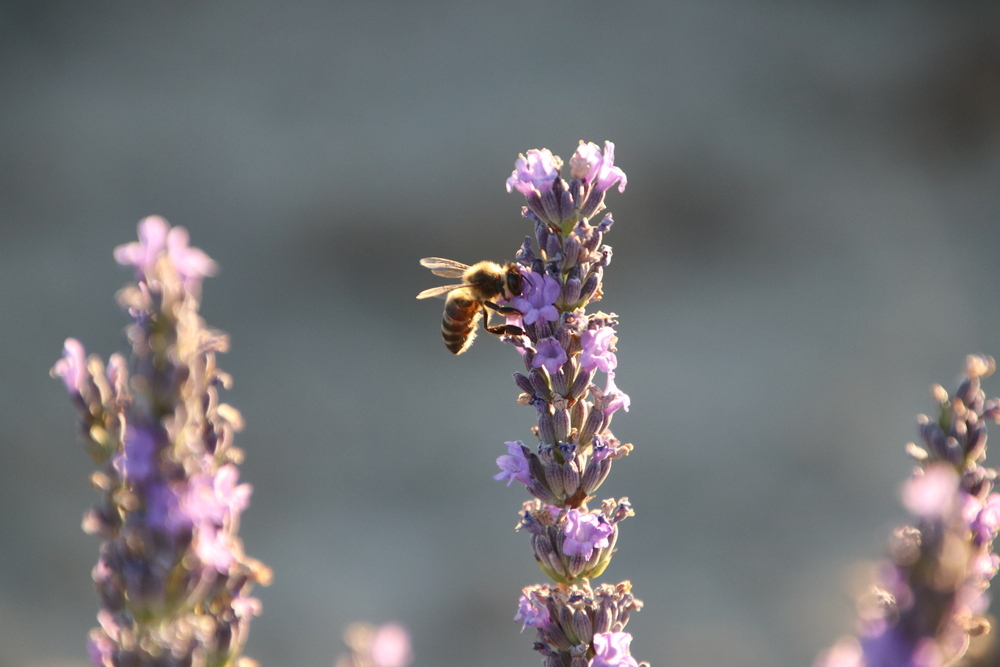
(512, 280)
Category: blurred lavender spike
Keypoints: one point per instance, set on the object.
(929, 595)
(172, 577)
(385, 646)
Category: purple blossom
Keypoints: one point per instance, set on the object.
(585, 532)
(532, 612)
(72, 368)
(589, 165)
(144, 254)
(616, 398)
(215, 498)
(163, 510)
(611, 649)
(386, 646)
(549, 353)
(535, 172)
(597, 344)
(138, 462)
(845, 653)
(986, 566)
(983, 516)
(513, 465)
(157, 238)
(215, 548)
(192, 264)
(931, 494)
(391, 646)
(539, 293)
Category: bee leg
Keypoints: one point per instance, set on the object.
(505, 330)
(500, 329)
(501, 310)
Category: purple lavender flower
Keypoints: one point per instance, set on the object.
(584, 533)
(931, 494)
(845, 653)
(537, 298)
(192, 264)
(983, 516)
(142, 256)
(597, 346)
(513, 465)
(611, 650)
(615, 397)
(589, 165)
(72, 368)
(532, 611)
(550, 354)
(171, 563)
(534, 173)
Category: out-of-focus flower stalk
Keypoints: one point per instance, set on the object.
(385, 646)
(563, 349)
(173, 580)
(929, 594)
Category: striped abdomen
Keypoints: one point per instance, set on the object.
(461, 317)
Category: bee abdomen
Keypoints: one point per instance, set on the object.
(458, 327)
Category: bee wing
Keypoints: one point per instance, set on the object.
(438, 291)
(446, 268)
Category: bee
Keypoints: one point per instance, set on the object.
(467, 302)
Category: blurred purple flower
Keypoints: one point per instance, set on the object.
(157, 238)
(72, 368)
(216, 498)
(386, 646)
(192, 264)
(139, 459)
(163, 510)
(144, 254)
(983, 517)
(391, 646)
(931, 494)
(845, 653)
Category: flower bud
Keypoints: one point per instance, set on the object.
(582, 627)
(553, 246)
(560, 424)
(570, 252)
(539, 383)
(554, 479)
(591, 286)
(523, 383)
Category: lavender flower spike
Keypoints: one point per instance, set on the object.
(929, 595)
(563, 348)
(172, 577)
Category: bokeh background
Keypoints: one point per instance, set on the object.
(809, 239)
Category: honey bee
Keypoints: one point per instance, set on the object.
(467, 302)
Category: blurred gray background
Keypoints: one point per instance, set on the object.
(808, 240)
